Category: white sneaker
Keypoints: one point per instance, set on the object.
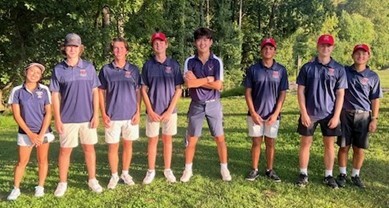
(169, 175)
(226, 176)
(149, 177)
(127, 179)
(95, 186)
(186, 175)
(39, 191)
(15, 193)
(113, 182)
(61, 189)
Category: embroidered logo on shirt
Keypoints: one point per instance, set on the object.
(39, 94)
(364, 81)
(168, 69)
(127, 74)
(276, 74)
(210, 67)
(83, 72)
(331, 71)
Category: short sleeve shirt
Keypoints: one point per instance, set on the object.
(75, 85)
(363, 87)
(321, 83)
(213, 67)
(121, 85)
(161, 80)
(266, 84)
(32, 105)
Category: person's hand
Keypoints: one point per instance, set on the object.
(333, 123)
(210, 79)
(271, 120)
(166, 116)
(257, 119)
(58, 126)
(135, 119)
(153, 116)
(305, 120)
(34, 138)
(94, 123)
(189, 75)
(106, 121)
(373, 125)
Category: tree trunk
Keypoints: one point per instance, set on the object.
(106, 22)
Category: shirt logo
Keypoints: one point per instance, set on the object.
(168, 69)
(364, 81)
(331, 71)
(210, 67)
(127, 74)
(276, 74)
(39, 94)
(83, 72)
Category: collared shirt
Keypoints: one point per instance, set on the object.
(32, 105)
(363, 87)
(321, 82)
(121, 85)
(213, 67)
(266, 84)
(161, 79)
(75, 85)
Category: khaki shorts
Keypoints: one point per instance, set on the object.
(168, 128)
(256, 130)
(127, 130)
(24, 141)
(69, 138)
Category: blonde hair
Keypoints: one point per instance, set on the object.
(63, 52)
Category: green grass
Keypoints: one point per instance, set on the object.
(206, 188)
(384, 78)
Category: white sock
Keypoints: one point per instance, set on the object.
(92, 179)
(125, 172)
(304, 171)
(153, 170)
(115, 175)
(188, 166)
(223, 166)
(328, 173)
(355, 172)
(343, 170)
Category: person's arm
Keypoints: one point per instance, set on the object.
(95, 102)
(334, 122)
(105, 117)
(305, 120)
(55, 100)
(173, 103)
(250, 105)
(280, 101)
(215, 85)
(375, 106)
(136, 118)
(191, 81)
(149, 108)
(22, 124)
(46, 123)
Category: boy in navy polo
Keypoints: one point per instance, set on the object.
(31, 107)
(119, 99)
(75, 102)
(359, 115)
(266, 83)
(320, 94)
(204, 77)
(161, 89)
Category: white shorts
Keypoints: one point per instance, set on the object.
(71, 131)
(168, 128)
(256, 130)
(127, 130)
(23, 139)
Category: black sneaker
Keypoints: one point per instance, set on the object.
(302, 180)
(357, 181)
(252, 175)
(341, 180)
(330, 181)
(272, 175)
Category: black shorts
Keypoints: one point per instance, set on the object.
(325, 130)
(355, 129)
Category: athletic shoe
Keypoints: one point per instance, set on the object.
(127, 179)
(39, 191)
(95, 186)
(226, 176)
(273, 176)
(330, 181)
(253, 174)
(15, 193)
(61, 189)
(169, 175)
(357, 181)
(113, 182)
(302, 180)
(186, 175)
(341, 180)
(150, 174)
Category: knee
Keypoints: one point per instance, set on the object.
(220, 139)
(22, 163)
(343, 150)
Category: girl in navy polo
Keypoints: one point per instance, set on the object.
(31, 107)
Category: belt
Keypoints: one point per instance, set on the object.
(210, 101)
(357, 111)
(206, 101)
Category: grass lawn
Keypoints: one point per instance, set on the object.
(384, 78)
(206, 189)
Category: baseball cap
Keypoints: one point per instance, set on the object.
(361, 47)
(326, 39)
(40, 66)
(72, 39)
(268, 41)
(159, 36)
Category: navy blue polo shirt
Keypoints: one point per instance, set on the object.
(363, 87)
(213, 67)
(161, 79)
(121, 85)
(266, 84)
(321, 82)
(75, 85)
(32, 105)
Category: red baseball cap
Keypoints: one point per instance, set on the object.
(326, 39)
(159, 36)
(268, 41)
(361, 47)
